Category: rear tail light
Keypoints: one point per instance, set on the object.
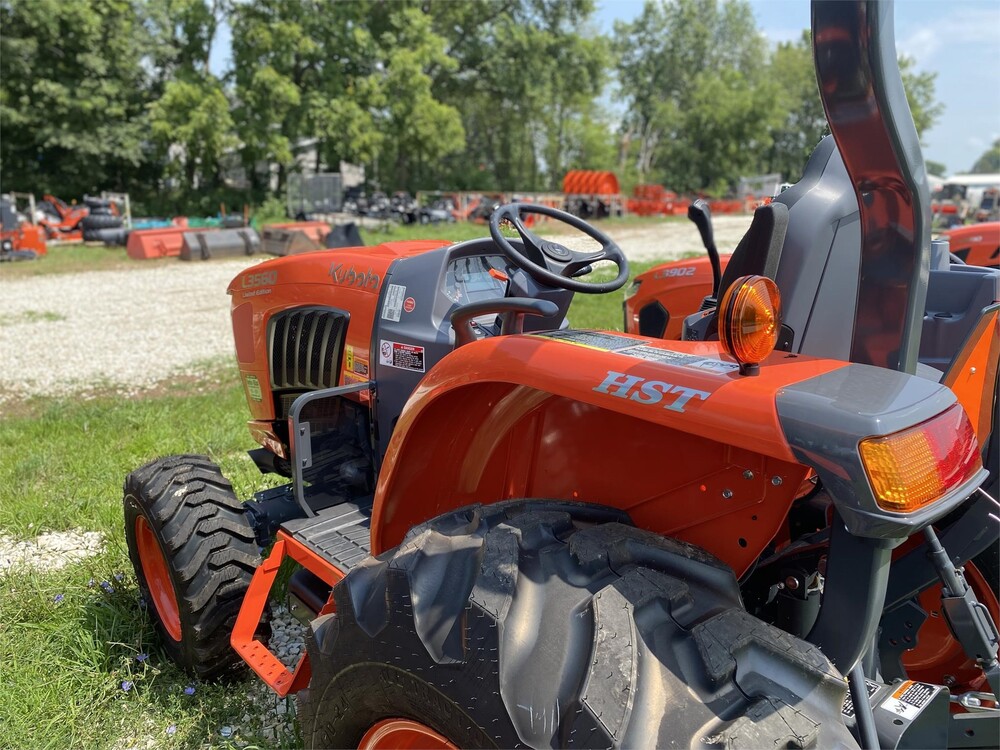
(914, 467)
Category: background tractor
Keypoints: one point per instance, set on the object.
(508, 532)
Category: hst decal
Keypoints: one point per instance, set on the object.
(650, 392)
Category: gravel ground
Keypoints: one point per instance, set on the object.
(49, 551)
(129, 329)
(126, 329)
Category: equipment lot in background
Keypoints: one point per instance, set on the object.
(132, 325)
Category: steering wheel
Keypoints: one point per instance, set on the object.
(552, 263)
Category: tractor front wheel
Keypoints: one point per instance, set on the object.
(194, 554)
(551, 624)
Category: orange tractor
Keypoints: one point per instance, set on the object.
(507, 532)
(20, 237)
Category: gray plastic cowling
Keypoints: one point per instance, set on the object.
(826, 417)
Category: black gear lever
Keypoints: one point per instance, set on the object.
(699, 213)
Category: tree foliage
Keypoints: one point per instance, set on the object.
(700, 106)
(989, 162)
(425, 94)
(72, 106)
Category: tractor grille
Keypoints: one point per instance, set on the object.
(305, 346)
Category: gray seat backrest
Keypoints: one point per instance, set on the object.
(818, 270)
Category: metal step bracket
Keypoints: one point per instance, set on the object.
(261, 659)
(301, 432)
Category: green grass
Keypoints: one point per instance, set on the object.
(74, 258)
(62, 663)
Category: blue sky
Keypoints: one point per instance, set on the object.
(957, 39)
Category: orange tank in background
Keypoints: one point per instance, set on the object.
(589, 182)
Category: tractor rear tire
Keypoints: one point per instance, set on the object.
(545, 624)
(194, 554)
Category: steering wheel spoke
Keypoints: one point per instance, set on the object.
(550, 262)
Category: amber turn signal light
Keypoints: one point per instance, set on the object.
(749, 321)
(914, 467)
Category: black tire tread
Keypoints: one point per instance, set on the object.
(459, 616)
(95, 221)
(211, 553)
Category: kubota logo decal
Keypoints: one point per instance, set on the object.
(350, 277)
(649, 391)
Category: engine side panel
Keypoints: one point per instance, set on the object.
(351, 281)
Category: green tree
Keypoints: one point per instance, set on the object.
(989, 162)
(803, 122)
(73, 115)
(919, 87)
(274, 57)
(529, 75)
(182, 35)
(692, 76)
(935, 168)
(419, 129)
(192, 120)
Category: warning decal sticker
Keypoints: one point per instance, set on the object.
(393, 305)
(848, 708)
(401, 356)
(909, 698)
(610, 342)
(253, 388)
(354, 364)
(591, 339)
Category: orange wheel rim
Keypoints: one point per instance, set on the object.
(154, 569)
(403, 734)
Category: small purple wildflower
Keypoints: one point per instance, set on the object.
(58, 598)
(119, 577)
(126, 685)
(172, 729)
(108, 588)
(189, 690)
(91, 583)
(142, 602)
(141, 657)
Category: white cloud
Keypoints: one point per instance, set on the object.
(955, 31)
